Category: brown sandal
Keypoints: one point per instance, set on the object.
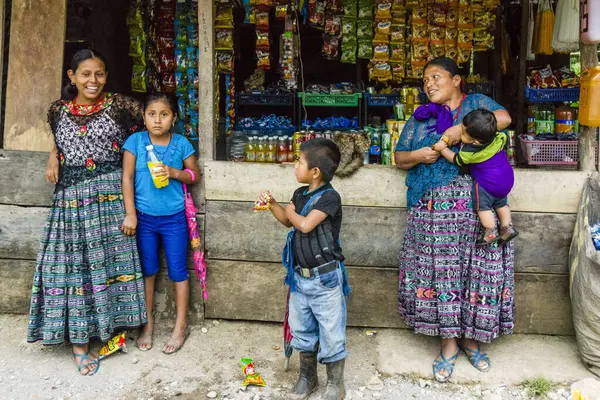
(489, 236)
(508, 233)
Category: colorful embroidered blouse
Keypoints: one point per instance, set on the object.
(89, 137)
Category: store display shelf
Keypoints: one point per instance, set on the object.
(249, 99)
(267, 131)
(382, 100)
(549, 152)
(330, 100)
(487, 88)
(552, 95)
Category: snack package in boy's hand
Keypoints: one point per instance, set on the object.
(112, 346)
(263, 204)
(252, 377)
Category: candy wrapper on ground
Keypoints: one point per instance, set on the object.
(112, 346)
(252, 377)
(265, 205)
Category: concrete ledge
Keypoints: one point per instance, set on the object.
(16, 278)
(383, 186)
(255, 291)
(372, 236)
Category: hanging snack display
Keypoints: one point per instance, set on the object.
(229, 104)
(224, 37)
(288, 55)
(137, 47)
(332, 36)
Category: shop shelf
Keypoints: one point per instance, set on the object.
(267, 131)
(552, 95)
(245, 99)
(487, 88)
(382, 100)
(549, 152)
(330, 100)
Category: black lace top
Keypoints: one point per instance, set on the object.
(89, 137)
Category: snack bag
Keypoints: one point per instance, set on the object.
(263, 205)
(252, 377)
(112, 346)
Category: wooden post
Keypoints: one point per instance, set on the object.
(587, 134)
(521, 104)
(37, 41)
(206, 76)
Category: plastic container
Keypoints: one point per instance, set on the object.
(590, 21)
(549, 152)
(382, 100)
(237, 146)
(551, 95)
(589, 100)
(153, 163)
(330, 100)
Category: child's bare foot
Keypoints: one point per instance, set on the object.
(176, 341)
(144, 342)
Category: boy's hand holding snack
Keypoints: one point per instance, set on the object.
(265, 201)
(439, 146)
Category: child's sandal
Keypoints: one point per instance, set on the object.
(508, 233)
(488, 236)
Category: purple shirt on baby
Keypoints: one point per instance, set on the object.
(495, 175)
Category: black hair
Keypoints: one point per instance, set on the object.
(323, 154)
(167, 98)
(69, 91)
(447, 64)
(481, 125)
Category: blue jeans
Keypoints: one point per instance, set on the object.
(318, 316)
(173, 231)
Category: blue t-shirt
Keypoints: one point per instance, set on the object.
(149, 199)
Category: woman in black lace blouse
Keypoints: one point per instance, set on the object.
(88, 282)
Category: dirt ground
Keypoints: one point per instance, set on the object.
(208, 365)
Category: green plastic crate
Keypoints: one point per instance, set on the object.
(330, 100)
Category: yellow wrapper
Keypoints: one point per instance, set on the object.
(115, 344)
(263, 206)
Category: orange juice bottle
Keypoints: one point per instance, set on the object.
(589, 97)
(153, 163)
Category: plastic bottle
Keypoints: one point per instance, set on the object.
(250, 150)
(531, 119)
(589, 97)
(271, 153)
(564, 120)
(260, 150)
(153, 164)
(290, 145)
(282, 150)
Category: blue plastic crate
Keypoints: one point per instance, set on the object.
(382, 100)
(552, 95)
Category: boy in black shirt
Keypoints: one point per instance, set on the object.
(316, 274)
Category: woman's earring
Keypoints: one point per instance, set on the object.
(73, 83)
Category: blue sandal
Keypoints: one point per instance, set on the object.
(446, 364)
(475, 357)
(83, 357)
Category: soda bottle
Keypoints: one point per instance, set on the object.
(153, 164)
(260, 150)
(271, 154)
(282, 150)
(250, 150)
(290, 146)
(375, 150)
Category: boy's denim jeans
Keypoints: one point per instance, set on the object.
(318, 316)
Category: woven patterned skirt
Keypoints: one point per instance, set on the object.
(88, 281)
(449, 287)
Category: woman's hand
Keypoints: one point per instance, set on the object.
(52, 169)
(129, 224)
(453, 133)
(425, 155)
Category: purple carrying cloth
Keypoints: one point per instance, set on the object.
(441, 113)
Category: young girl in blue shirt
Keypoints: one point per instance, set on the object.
(157, 214)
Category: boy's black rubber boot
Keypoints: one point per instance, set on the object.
(335, 389)
(307, 381)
